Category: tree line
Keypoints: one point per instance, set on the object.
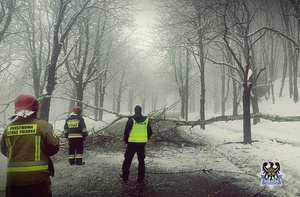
(246, 46)
(210, 51)
(72, 48)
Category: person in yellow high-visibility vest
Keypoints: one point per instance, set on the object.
(28, 143)
(136, 134)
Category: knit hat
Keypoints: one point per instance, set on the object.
(138, 110)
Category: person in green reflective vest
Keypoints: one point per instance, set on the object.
(136, 134)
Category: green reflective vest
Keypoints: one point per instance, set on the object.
(138, 133)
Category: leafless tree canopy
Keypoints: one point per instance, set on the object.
(210, 55)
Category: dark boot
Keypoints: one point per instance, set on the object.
(125, 178)
(79, 161)
(72, 161)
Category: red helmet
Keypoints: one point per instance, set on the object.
(77, 110)
(25, 101)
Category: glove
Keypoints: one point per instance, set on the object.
(51, 168)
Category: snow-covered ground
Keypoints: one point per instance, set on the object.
(272, 142)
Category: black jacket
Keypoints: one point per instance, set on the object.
(80, 128)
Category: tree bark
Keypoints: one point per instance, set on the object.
(202, 74)
(284, 68)
(186, 91)
(246, 109)
(96, 100)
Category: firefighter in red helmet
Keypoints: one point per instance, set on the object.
(28, 143)
(76, 132)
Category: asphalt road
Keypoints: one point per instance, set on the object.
(170, 171)
(100, 178)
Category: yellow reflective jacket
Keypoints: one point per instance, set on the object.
(28, 144)
(138, 133)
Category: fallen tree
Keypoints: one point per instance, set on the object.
(160, 115)
(273, 118)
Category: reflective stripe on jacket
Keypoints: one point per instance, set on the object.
(27, 166)
(138, 133)
(75, 135)
(75, 127)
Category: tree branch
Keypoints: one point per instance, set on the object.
(278, 33)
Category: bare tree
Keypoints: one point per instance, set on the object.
(296, 5)
(179, 61)
(111, 40)
(59, 35)
(293, 54)
(270, 50)
(35, 40)
(127, 69)
(81, 67)
(242, 21)
(189, 25)
(7, 9)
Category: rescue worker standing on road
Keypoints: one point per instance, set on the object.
(28, 143)
(76, 132)
(137, 133)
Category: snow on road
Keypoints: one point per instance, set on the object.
(276, 142)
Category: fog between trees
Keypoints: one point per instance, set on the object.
(209, 55)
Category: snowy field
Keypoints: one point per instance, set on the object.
(272, 141)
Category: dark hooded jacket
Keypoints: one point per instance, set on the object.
(138, 117)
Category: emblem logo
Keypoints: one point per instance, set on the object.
(271, 174)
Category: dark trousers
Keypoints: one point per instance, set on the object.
(75, 150)
(36, 190)
(133, 148)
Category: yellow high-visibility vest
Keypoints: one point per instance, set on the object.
(138, 133)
